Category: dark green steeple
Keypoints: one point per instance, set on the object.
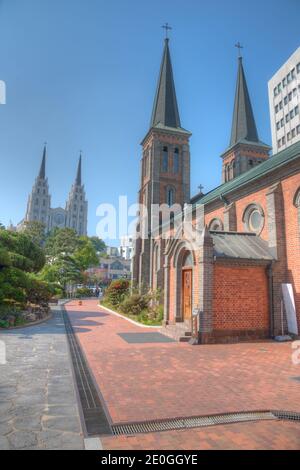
(165, 109)
(243, 123)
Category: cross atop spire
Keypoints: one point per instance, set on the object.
(42, 173)
(78, 176)
(165, 108)
(167, 28)
(240, 47)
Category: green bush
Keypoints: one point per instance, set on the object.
(84, 292)
(116, 292)
(38, 292)
(134, 304)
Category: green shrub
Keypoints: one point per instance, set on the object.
(134, 304)
(38, 292)
(84, 292)
(116, 292)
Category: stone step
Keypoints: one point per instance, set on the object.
(184, 339)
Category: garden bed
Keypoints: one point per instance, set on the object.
(142, 318)
(32, 315)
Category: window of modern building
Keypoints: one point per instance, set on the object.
(284, 82)
(176, 160)
(293, 74)
(282, 122)
(285, 100)
(289, 77)
(297, 110)
(294, 91)
(276, 108)
(293, 132)
(298, 129)
(280, 104)
(288, 136)
(298, 68)
(278, 125)
(283, 140)
(279, 143)
(287, 118)
(165, 164)
(275, 91)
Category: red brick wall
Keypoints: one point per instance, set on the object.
(292, 229)
(240, 298)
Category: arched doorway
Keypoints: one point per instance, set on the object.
(187, 286)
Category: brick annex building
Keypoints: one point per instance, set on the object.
(249, 226)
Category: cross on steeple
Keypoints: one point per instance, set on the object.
(239, 47)
(200, 187)
(167, 28)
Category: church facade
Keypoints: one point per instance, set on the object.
(225, 277)
(74, 215)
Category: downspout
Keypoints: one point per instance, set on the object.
(271, 298)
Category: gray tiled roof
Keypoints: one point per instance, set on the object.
(271, 164)
(240, 246)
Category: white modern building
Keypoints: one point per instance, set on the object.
(126, 247)
(284, 100)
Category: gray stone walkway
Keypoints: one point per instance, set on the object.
(38, 405)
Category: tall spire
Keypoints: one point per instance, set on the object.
(42, 173)
(165, 109)
(78, 176)
(243, 123)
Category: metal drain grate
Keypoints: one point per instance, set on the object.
(94, 415)
(189, 423)
(288, 415)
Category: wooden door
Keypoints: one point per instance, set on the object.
(187, 293)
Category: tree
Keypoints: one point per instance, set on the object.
(98, 244)
(19, 256)
(86, 255)
(61, 240)
(63, 270)
(36, 231)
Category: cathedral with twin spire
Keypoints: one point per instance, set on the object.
(237, 276)
(74, 215)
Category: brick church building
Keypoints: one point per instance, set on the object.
(225, 280)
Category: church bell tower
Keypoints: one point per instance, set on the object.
(165, 164)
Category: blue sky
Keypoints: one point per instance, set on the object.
(81, 74)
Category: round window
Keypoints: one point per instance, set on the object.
(255, 220)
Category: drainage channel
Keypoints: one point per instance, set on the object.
(95, 419)
(189, 423)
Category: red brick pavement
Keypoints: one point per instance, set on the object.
(262, 435)
(154, 381)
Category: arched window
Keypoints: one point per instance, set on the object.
(187, 260)
(216, 224)
(165, 158)
(254, 218)
(176, 161)
(170, 196)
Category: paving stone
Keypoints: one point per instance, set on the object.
(38, 371)
(61, 423)
(4, 444)
(22, 439)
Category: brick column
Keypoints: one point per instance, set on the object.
(277, 245)
(230, 218)
(206, 266)
(166, 289)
